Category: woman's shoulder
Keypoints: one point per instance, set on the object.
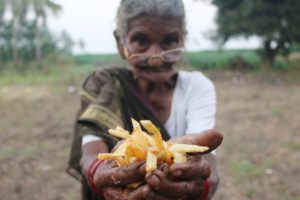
(108, 71)
(103, 75)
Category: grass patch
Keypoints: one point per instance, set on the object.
(208, 60)
(202, 60)
(36, 77)
(98, 59)
(245, 169)
(293, 146)
(26, 152)
(249, 192)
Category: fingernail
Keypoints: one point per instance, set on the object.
(148, 175)
(154, 180)
(177, 173)
(146, 189)
(165, 169)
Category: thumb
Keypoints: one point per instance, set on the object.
(210, 138)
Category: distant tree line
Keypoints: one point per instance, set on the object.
(276, 22)
(24, 33)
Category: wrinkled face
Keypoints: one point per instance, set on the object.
(147, 39)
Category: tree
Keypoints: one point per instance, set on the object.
(23, 39)
(19, 11)
(2, 9)
(276, 22)
(66, 43)
(41, 8)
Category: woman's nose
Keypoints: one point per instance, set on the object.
(155, 62)
(155, 59)
(154, 49)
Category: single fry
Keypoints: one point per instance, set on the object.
(149, 139)
(118, 128)
(169, 157)
(108, 156)
(187, 148)
(151, 128)
(151, 162)
(121, 149)
(119, 134)
(134, 185)
(132, 160)
(135, 124)
(139, 138)
(179, 157)
(125, 160)
(121, 161)
(161, 155)
(153, 150)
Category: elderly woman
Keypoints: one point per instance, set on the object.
(150, 36)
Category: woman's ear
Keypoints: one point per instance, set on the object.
(119, 45)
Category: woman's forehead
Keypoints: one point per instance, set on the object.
(153, 24)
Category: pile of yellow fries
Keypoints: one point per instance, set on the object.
(140, 145)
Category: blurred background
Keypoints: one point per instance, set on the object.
(250, 49)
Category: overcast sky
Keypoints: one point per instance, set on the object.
(93, 21)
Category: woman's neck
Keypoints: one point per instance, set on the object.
(158, 94)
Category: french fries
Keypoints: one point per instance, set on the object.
(119, 132)
(179, 157)
(151, 162)
(187, 148)
(149, 147)
(152, 129)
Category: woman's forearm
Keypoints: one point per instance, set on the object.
(90, 152)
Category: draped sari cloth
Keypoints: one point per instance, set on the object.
(110, 98)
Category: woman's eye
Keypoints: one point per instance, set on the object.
(140, 41)
(170, 42)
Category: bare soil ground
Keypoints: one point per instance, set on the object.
(259, 158)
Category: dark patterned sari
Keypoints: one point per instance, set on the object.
(109, 98)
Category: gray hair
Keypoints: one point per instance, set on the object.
(130, 9)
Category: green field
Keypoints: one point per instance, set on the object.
(198, 60)
(208, 61)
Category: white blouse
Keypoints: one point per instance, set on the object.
(193, 106)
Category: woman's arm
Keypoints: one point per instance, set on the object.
(108, 177)
(90, 152)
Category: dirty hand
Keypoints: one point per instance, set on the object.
(112, 180)
(184, 180)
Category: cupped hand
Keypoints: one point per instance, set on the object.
(110, 174)
(210, 138)
(112, 180)
(185, 180)
(144, 192)
(179, 181)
